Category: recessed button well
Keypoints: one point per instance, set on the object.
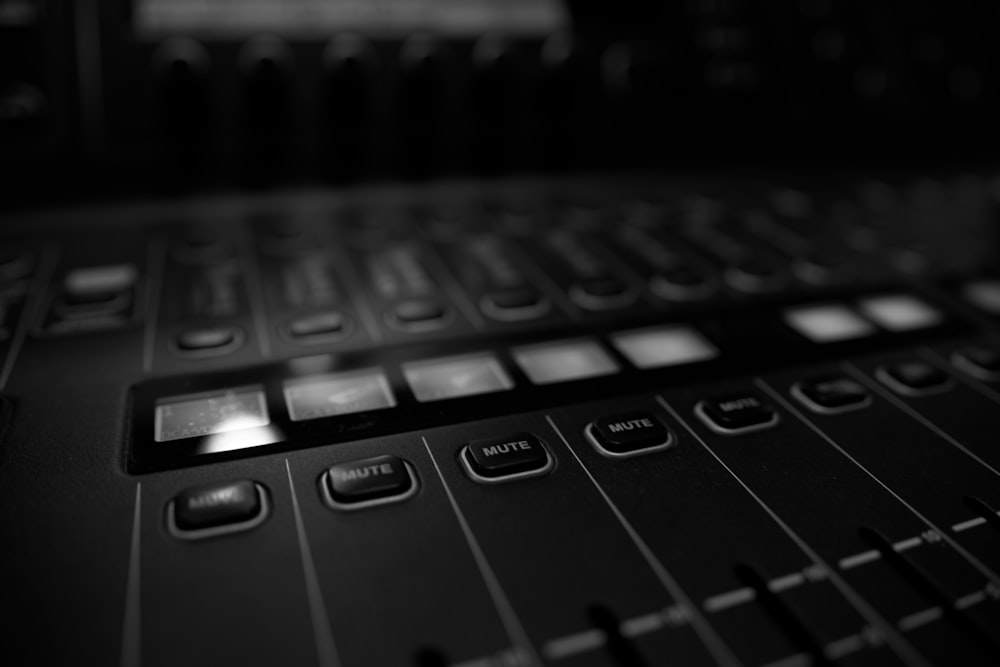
(506, 458)
(419, 313)
(980, 361)
(210, 340)
(366, 482)
(736, 413)
(914, 377)
(317, 327)
(216, 509)
(831, 394)
(629, 434)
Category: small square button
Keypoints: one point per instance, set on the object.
(663, 346)
(831, 395)
(736, 413)
(628, 434)
(506, 458)
(828, 323)
(901, 312)
(454, 377)
(338, 394)
(367, 482)
(563, 361)
(217, 509)
(914, 377)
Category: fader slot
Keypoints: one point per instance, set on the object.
(932, 592)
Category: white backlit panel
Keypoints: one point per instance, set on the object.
(828, 323)
(663, 346)
(564, 360)
(901, 312)
(454, 377)
(210, 413)
(338, 394)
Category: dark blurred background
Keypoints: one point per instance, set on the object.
(108, 99)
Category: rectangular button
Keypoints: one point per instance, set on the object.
(738, 413)
(496, 459)
(365, 482)
(216, 505)
(629, 434)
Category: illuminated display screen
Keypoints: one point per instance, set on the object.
(197, 415)
(325, 17)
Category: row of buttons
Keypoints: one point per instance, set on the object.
(219, 509)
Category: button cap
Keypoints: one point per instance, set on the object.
(209, 339)
(216, 505)
(736, 413)
(831, 394)
(514, 303)
(317, 326)
(500, 459)
(681, 283)
(603, 293)
(419, 311)
(366, 482)
(914, 377)
(980, 361)
(629, 434)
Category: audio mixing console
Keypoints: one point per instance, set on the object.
(575, 422)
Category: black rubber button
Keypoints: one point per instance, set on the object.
(498, 458)
(831, 394)
(914, 376)
(629, 433)
(380, 478)
(682, 283)
(216, 505)
(513, 298)
(736, 413)
(980, 361)
(213, 338)
(415, 311)
(324, 324)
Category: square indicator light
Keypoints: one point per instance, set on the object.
(828, 324)
(562, 361)
(901, 312)
(210, 413)
(984, 295)
(663, 346)
(338, 394)
(454, 377)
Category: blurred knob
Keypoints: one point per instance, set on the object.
(426, 66)
(181, 66)
(266, 64)
(350, 64)
(495, 60)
